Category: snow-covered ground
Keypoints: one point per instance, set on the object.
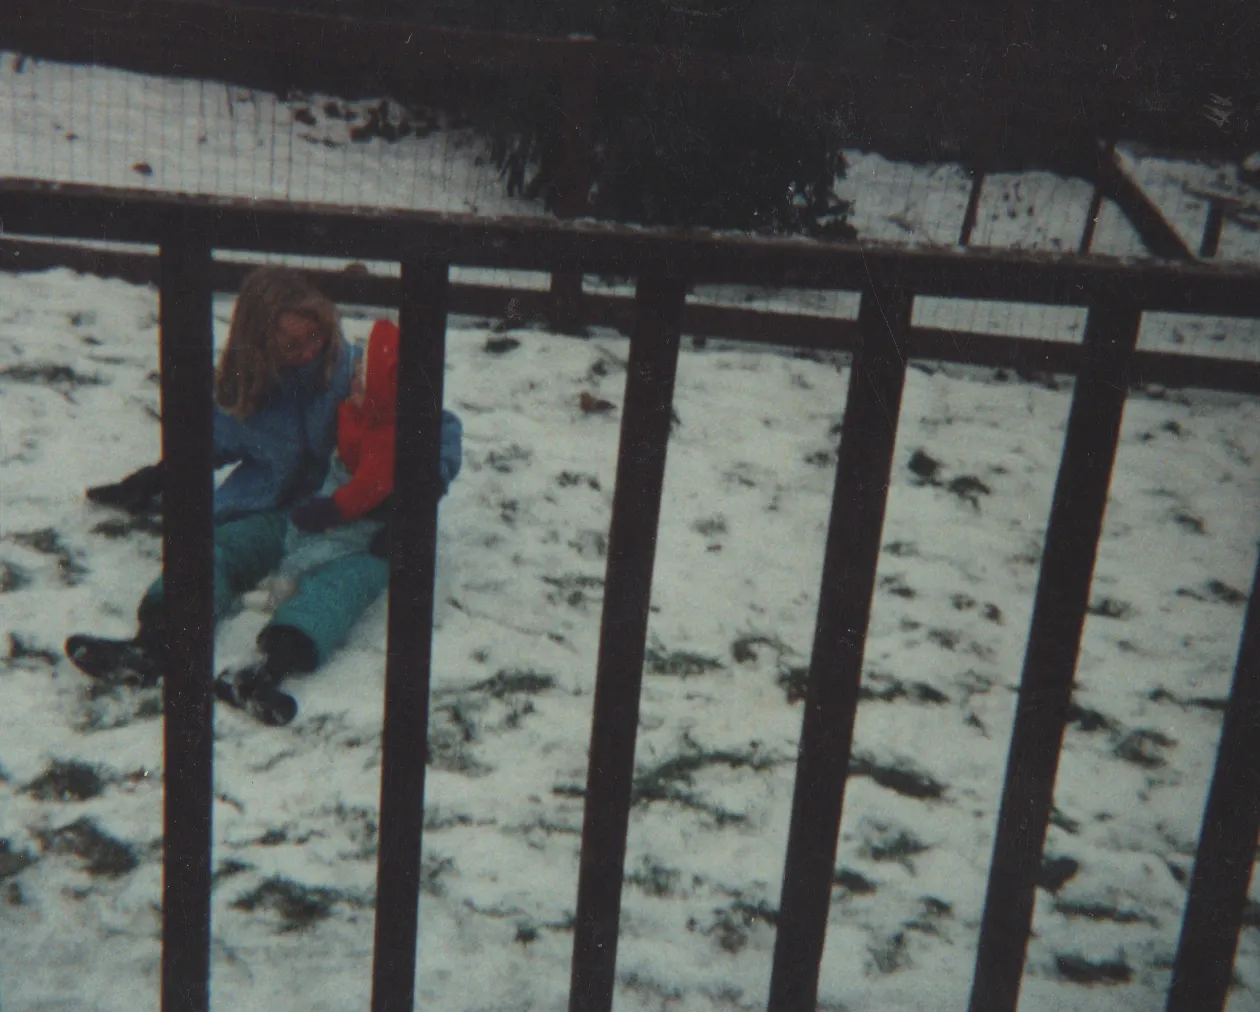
(523, 537)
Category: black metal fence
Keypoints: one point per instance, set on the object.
(882, 342)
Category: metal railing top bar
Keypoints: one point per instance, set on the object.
(34, 207)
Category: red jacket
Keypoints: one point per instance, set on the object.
(365, 435)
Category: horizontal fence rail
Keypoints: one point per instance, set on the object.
(818, 333)
(882, 341)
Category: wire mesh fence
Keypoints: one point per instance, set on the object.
(107, 127)
(98, 125)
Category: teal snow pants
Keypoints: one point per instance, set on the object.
(329, 598)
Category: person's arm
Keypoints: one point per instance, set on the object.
(369, 486)
(138, 491)
(451, 452)
(229, 442)
(373, 481)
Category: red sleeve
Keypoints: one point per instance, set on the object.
(373, 479)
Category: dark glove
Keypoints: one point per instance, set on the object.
(137, 493)
(380, 543)
(317, 515)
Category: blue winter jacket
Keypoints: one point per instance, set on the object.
(451, 451)
(282, 450)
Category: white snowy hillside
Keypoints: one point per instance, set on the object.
(523, 537)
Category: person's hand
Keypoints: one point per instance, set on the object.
(316, 515)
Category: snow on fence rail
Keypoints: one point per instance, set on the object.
(882, 340)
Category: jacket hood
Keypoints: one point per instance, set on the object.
(380, 379)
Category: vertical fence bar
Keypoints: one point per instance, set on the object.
(1067, 567)
(413, 547)
(1211, 243)
(867, 438)
(1227, 843)
(636, 510)
(1105, 153)
(187, 366)
(1091, 220)
(972, 211)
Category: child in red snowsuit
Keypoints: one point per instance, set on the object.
(330, 552)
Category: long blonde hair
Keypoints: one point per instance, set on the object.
(248, 368)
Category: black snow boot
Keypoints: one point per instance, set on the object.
(114, 661)
(138, 493)
(137, 662)
(255, 689)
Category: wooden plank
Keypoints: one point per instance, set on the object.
(1223, 862)
(1067, 566)
(1152, 227)
(38, 208)
(24, 255)
(409, 644)
(867, 439)
(645, 423)
(187, 370)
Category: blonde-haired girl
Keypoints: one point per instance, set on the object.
(282, 375)
(281, 322)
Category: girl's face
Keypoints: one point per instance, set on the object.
(298, 340)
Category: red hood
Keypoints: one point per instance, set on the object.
(381, 379)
